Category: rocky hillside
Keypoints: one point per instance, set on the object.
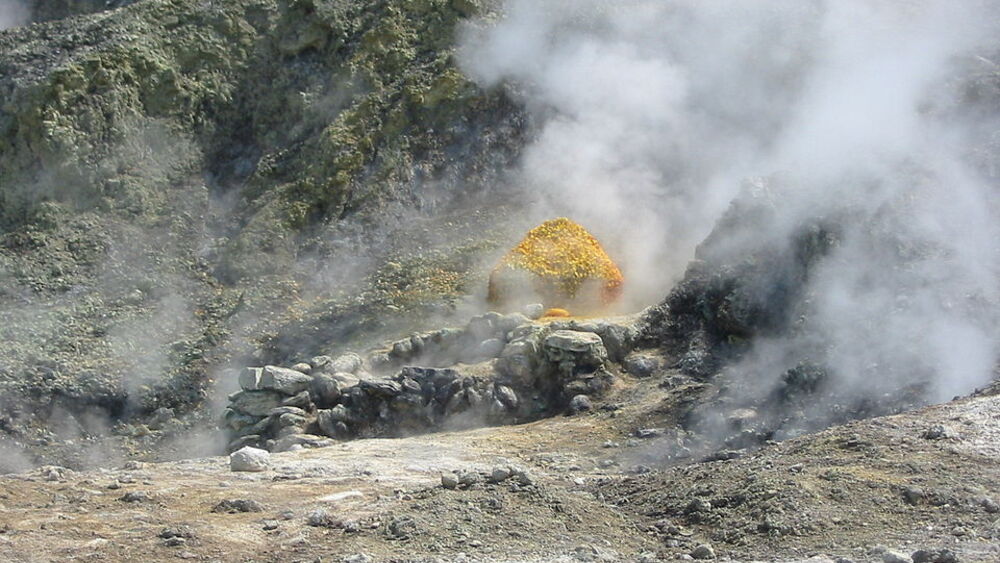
(187, 187)
(265, 229)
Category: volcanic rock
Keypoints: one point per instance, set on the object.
(249, 459)
(283, 380)
(573, 350)
(580, 403)
(233, 506)
(256, 403)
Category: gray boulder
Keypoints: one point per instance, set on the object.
(506, 396)
(325, 389)
(333, 422)
(618, 340)
(262, 426)
(572, 349)
(703, 551)
(284, 380)
(891, 556)
(580, 403)
(250, 379)
(402, 350)
(301, 400)
(249, 459)
(346, 363)
(534, 311)
(943, 555)
(320, 363)
(384, 388)
(286, 443)
(490, 348)
(640, 365)
(507, 323)
(345, 380)
(521, 357)
(242, 442)
(256, 403)
(235, 420)
(287, 410)
(575, 341)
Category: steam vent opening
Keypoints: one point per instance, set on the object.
(560, 265)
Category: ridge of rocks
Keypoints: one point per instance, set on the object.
(498, 369)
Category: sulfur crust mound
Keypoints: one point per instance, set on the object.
(566, 265)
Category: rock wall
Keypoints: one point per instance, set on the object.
(498, 369)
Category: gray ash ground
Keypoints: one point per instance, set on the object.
(605, 485)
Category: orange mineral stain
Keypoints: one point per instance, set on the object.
(556, 312)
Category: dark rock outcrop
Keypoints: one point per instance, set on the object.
(746, 281)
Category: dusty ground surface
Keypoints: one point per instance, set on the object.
(928, 479)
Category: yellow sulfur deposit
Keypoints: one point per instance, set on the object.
(564, 262)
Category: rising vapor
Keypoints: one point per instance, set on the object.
(13, 13)
(654, 113)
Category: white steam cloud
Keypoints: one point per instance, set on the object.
(13, 13)
(653, 112)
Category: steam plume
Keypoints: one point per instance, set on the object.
(13, 13)
(653, 112)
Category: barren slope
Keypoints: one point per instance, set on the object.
(837, 493)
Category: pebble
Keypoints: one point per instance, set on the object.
(449, 480)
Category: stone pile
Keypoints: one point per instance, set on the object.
(498, 369)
